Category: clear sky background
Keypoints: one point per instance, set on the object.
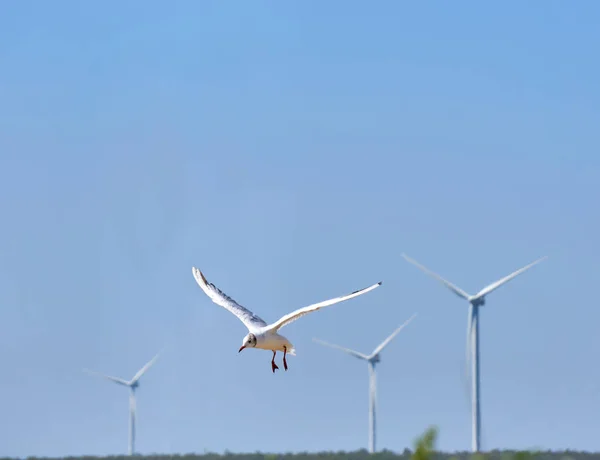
(293, 151)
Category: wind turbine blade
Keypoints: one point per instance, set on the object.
(356, 354)
(458, 291)
(109, 377)
(143, 370)
(383, 344)
(486, 290)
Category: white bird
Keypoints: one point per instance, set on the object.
(260, 334)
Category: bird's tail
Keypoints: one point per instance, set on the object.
(292, 351)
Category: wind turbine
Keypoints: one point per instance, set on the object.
(371, 360)
(132, 384)
(475, 301)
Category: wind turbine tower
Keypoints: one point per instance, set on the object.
(371, 360)
(132, 384)
(475, 302)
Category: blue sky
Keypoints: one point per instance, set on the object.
(293, 151)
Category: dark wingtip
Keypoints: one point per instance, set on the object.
(358, 290)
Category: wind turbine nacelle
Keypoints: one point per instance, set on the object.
(135, 385)
(375, 359)
(478, 302)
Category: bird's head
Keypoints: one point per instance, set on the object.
(249, 341)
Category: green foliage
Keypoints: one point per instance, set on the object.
(425, 445)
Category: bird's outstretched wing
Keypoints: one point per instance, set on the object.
(251, 320)
(291, 317)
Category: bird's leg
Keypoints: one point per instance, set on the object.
(273, 365)
(284, 361)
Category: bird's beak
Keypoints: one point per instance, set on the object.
(242, 347)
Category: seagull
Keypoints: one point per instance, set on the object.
(260, 334)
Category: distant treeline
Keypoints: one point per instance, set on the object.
(424, 449)
(357, 455)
